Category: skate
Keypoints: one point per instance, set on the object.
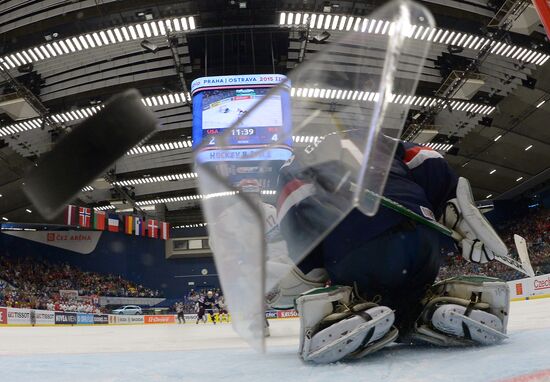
(481, 327)
(464, 311)
(333, 328)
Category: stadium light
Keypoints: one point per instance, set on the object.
(88, 41)
(313, 93)
(149, 46)
(454, 38)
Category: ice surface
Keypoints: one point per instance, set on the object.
(224, 115)
(205, 352)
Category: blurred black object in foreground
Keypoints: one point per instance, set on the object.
(87, 151)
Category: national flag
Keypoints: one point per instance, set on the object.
(128, 224)
(152, 228)
(143, 228)
(84, 217)
(112, 223)
(164, 230)
(139, 226)
(99, 220)
(71, 215)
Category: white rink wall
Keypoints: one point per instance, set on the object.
(34, 317)
(530, 288)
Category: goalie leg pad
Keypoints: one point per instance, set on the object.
(479, 326)
(349, 335)
(328, 336)
(292, 285)
(463, 311)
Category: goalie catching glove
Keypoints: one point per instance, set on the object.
(333, 328)
(476, 237)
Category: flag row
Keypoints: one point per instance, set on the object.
(129, 224)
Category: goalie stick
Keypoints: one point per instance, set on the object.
(524, 266)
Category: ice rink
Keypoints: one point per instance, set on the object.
(206, 352)
(269, 114)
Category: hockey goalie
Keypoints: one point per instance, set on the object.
(383, 267)
(332, 225)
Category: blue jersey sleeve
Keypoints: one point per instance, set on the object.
(309, 199)
(432, 172)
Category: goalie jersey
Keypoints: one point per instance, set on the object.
(419, 179)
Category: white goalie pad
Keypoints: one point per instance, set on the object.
(347, 336)
(463, 311)
(479, 326)
(348, 105)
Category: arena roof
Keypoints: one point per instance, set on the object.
(71, 56)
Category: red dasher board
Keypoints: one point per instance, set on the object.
(543, 9)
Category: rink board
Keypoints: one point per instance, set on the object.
(166, 353)
(34, 317)
(530, 288)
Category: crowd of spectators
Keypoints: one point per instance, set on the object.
(20, 298)
(31, 283)
(534, 227)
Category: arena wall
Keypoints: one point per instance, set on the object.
(138, 259)
(530, 288)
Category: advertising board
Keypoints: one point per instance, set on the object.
(160, 319)
(43, 317)
(64, 318)
(83, 242)
(287, 314)
(530, 288)
(125, 320)
(271, 314)
(19, 316)
(84, 319)
(101, 319)
(3, 316)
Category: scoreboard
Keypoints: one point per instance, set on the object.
(261, 142)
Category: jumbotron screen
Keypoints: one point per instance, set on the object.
(218, 102)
